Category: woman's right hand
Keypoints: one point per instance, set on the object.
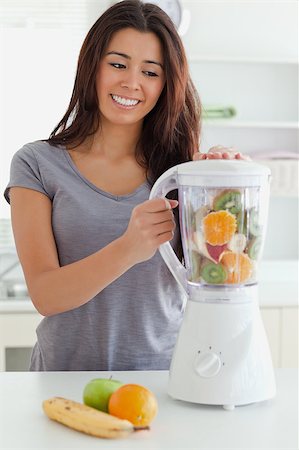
(151, 224)
(55, 289)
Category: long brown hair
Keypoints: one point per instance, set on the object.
(170, 132)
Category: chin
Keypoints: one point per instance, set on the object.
(121, 121)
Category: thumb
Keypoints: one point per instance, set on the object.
(198, 156)
(171, 204)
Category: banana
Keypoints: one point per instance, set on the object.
(86, 419)
(237, 243)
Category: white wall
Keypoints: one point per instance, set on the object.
(243, 29)
(241, 53)
(37, 78)
(39, 47)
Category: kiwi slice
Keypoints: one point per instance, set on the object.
(228, 201)
(254, 247)
(213, 273)
(254, 226)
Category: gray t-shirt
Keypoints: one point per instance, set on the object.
(132, 324)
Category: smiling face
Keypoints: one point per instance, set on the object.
(130, 77)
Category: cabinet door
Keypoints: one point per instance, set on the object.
(17, 331)
(289, 338)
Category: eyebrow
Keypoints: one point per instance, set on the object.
(129, 57)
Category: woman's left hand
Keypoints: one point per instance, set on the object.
(220, 152)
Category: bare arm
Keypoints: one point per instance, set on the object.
(54, 289)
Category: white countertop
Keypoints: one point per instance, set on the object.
(178, 425)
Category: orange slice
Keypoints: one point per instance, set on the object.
(238, 265)
(219, 227)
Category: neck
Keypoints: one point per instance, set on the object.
(114, 141)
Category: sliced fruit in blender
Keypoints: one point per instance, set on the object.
(242, 222)
(199, 214)
(215, 251)
(228, 201)
(237, 243)
(238, 265)
(195, 266)
(213, 273)
(200, 244)
(254, 247)
(219, 227)
(254, 226)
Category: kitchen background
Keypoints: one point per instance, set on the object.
(243, 56)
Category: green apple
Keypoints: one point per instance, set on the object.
(97, 392)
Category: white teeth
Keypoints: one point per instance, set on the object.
(124, 101)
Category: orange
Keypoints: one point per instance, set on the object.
(219, 227)
(239, 267)
(134, 403)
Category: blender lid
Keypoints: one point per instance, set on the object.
(222, 172)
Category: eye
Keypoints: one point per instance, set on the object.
(118, 65)
(150, 74)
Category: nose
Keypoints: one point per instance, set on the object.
(131, 80)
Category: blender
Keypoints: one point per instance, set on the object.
(221, 356)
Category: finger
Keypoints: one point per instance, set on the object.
(202, 156)
(173, 203)
(228, 155)
(161, 217)
(170, 204)
(215, 155)
(165, 227)
(164, 237)
(157, 205)
(196, 156)
(199, 156)
(216, 149)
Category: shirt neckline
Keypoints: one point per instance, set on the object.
(96, 188)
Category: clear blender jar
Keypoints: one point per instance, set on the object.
(223, 213)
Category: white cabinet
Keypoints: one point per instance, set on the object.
(281, 325)
(245, 55)
(264, 96)
(272, 323)
(17, 330)
(289, 337)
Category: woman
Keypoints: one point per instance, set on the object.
(86, 233)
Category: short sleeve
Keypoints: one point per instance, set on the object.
(24, 172)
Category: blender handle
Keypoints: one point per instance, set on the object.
(167, 182)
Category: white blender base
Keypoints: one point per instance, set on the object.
(222, 355)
